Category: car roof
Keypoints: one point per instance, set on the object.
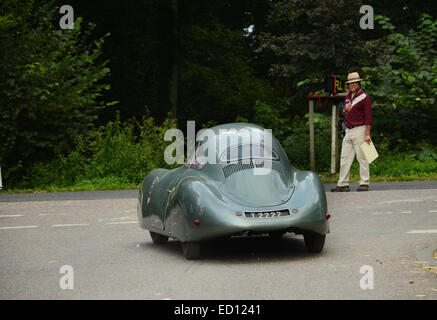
(236, 125)
(218, 137)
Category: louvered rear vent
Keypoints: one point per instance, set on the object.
(235, 167)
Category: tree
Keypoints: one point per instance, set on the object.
(313, 39)
(151, 42)
(404, 81)
(403, 13)
(50, 82)
(217, 81)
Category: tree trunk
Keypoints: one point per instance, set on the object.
(174, 77)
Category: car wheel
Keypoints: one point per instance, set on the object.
(158, 238)
(191, 250)
(276, 234)
(314, 241)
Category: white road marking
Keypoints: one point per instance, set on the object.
(432, 211)
(423, 231)
(402, 200)
(123, 218)
(18, 227)
(70, 225)
(11, 215)
(122, 222)
(405, 211)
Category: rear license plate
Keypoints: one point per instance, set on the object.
(268, 214)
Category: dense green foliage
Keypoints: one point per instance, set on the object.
(212, 62)
(116, 154)
(50, 81)
(403, 83)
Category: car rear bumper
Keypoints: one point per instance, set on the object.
(229, 224)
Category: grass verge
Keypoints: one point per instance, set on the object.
(355, 178)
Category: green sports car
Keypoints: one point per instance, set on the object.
(237, 182)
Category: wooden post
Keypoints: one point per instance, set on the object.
(311, 118)
(334, 140)
(337, 164)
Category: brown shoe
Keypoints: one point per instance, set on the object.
(363, 187)
(340, 189)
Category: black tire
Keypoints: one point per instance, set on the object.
(158, 238)
(276, 234)
(314, 242)
(191, 250)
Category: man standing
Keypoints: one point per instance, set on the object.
(358, 120)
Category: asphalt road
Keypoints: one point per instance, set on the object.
(389, 232)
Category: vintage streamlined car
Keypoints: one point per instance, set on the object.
(247, 186)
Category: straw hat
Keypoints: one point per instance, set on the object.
(353, 77)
